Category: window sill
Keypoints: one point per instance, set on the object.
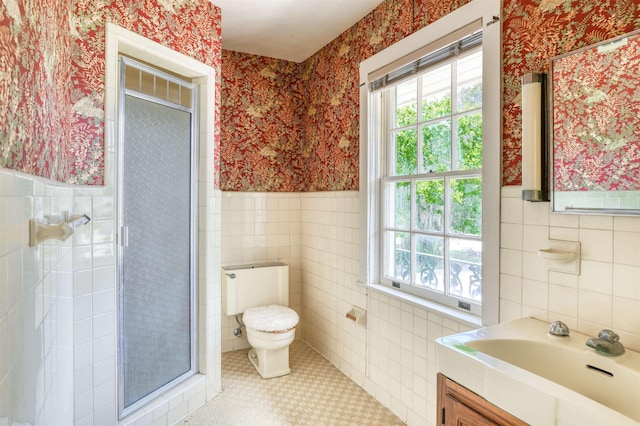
(445, 311)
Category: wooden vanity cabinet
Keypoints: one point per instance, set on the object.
(459, 406)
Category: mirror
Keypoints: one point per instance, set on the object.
(596, 128)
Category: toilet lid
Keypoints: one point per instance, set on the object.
(272, 318)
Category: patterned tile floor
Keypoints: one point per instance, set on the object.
(315, 393)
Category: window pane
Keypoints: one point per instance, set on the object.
(406, 152)
(466, 206)
(430, 262)
(436, 147)
(400, 245)
(469, 88)
(406, 103)
(436, 93)
(399, 206)
(470, 142)
(430, 205)
(465, 268)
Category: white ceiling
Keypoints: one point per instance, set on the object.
(287, 29)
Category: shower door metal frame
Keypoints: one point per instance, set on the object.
(122, 234)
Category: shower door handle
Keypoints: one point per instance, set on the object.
(124, 236)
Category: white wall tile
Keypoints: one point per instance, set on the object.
(596, 277)
(626, 316)
(536, 213)
(626, 247)
(257, 228)
(564, 220)
(4, 350)
(563, 279)
(84, 405)
(103, 278)
(535, 294)
(103, 208)
(535, 237)
(511, 236)
(36, 335)
(510, 310)
(83, 331)
(323, 227)
(607, 290)
(596, 244)
(596, 222)
(511, 191)
(595, 308)
(511, 262)
(511, 288)
(83, 307)
(402, 379)
(103, 231)
(626, 281)
(534, 267)
(563, 301)
(564, 233)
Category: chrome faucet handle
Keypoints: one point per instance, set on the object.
(558, 328)
(606, 343)
(608, 335)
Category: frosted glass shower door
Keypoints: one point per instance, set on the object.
(157, 251)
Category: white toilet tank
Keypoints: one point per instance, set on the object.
(249, 286)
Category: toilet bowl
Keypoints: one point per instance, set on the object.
(270, 331)
(260, 292)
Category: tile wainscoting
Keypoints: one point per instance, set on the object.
(36, 306)
(58, 300)
(394, 357)
(261, 227)
(58, 310)
(606, 294)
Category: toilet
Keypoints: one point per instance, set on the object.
(260, 292)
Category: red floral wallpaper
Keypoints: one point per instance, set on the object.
(53, 52)
(533, 32)
(328, 147)
(331, 78)
(52, 67)
(262, 107)
(35, 92)
(596, 114)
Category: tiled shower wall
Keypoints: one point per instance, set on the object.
(61, 305)
(58, 310)
(36, 306)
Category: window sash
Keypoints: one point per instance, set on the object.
(409, 280)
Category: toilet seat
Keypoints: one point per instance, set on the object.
(271, 318)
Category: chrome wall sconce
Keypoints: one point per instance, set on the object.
(54, 227)
(535, 151)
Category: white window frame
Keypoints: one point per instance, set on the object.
(370, 157)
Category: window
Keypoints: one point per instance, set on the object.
(431, 180)
(432, 162)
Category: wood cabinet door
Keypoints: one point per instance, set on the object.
(459, 406)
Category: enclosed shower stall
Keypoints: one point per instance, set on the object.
(157, 224)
